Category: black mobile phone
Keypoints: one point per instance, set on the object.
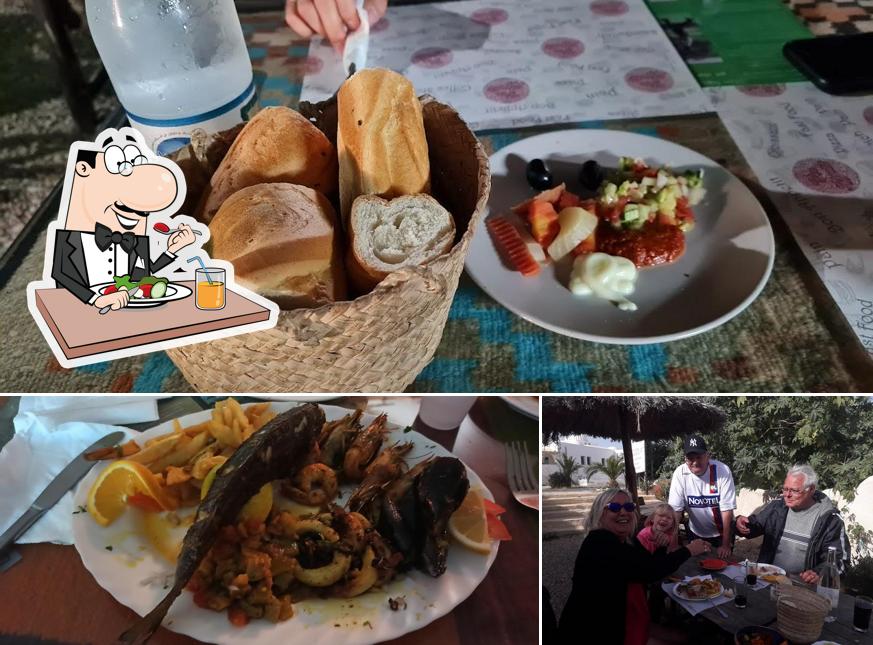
(836, 64)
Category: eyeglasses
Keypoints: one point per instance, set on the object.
(615, 507)
(793, 491)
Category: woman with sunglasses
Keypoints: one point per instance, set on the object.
(607, 604)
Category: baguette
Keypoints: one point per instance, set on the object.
(381, 141)
(282, 242)
(388, 235)
(277, 145)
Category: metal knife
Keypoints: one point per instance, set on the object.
(58, 487)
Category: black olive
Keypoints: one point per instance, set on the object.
(538, 176)
(591, 175)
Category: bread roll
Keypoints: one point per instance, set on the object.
(381, 143)
(282, 242)
(387, 235)
(277, 145)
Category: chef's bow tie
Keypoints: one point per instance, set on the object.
(103, 236)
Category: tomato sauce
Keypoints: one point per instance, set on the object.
(649, 246)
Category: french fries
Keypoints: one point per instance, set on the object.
(181, 459)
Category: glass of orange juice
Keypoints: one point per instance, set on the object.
(210, 288)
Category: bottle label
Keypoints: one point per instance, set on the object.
(168, 135)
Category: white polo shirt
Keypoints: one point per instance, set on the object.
(703, 497)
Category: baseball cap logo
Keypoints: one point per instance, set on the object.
(693, 442)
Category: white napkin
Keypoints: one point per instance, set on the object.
(357, 42)
(49, 434)
(692, 607)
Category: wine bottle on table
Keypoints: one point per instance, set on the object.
(829, 585)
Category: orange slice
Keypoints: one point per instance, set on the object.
(469, 526)
(123, 479)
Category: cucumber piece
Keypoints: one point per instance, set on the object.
(159, 289)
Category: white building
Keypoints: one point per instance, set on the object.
(584, 453)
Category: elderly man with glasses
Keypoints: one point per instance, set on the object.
(799, 527)
(704, 488)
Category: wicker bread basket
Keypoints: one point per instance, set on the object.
(800, 614)
(378, 342)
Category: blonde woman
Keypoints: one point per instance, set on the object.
(607, 604)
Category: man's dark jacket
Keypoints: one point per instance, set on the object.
(69, 269)
(828, 531)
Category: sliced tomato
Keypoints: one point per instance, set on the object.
(144, 503)
(492, 508)
(568, 199)
(146, 290)
(237, 617)
(496, 529)
(110, 289)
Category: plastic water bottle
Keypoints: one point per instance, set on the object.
(176, 65)
(829, 585)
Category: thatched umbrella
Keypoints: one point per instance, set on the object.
(627, 419)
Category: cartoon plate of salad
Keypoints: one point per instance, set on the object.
(150, 291)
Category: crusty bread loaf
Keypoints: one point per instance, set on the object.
(277, 145)
(381, 142)
(387, 235)
(282, 241)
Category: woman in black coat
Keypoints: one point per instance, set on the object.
(607, 604)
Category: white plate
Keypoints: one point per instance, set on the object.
(174, 292)
(727, 260)
(134, 574)
(527, 405)
(683, 596)
(768, 569)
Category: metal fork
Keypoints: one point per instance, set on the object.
(522, 473)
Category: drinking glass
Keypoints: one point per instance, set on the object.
(740, 592)
(209, 284)
(863, 609)
(445, 412)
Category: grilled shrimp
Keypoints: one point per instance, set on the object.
(314, 485)
(364, 448)
(335, 437)
(386, 468)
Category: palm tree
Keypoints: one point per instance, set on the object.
(613, 468)
(563, 478)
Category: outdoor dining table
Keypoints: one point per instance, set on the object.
(50, 595)
(760, 609)
(791, 338)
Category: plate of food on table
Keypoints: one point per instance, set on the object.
(618, 237)
(699, 589)
(276, 523)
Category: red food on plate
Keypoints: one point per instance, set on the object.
(496, 529)
(543, 220)
(513, 247)
(110, 289)
(492, 508)
(713, 564)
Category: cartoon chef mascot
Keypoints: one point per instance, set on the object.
(110, 192)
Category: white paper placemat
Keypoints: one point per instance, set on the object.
(814, 153)
(513, 63)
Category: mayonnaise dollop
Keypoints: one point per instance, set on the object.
(606, 276)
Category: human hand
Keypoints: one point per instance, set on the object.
(724, 551)
(181, 238)
(331, 19)
(661, 539)
(743, 525)
(114, 300)
(810, 577)
(698, 546)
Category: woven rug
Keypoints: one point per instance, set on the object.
(487, 348)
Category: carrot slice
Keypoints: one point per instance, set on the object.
(513, 247)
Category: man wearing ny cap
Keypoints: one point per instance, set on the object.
(704, 488)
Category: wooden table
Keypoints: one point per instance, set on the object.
(761, 610)
(50, 595)
(81, 331)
